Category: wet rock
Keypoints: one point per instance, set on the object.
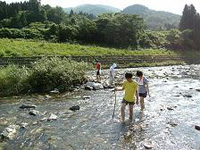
(172, 124)
(198, 90)
(74, 108)
(95, 86)
(187, 96)
(9, 132)
(170, 108)
(52, 117)
(47, 97)
(88, 88)
(23, 125)
(197, 128)
(3, 121)
(27, 106)
(148, 145)
(34, 113)
(55, 91)
(86, 97)
(43, 119)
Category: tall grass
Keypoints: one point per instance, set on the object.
(43, 76)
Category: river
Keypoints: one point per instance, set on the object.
(168, 122)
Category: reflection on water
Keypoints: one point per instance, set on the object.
(167, 122)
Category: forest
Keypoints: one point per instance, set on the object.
(31, 20)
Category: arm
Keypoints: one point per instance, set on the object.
(148, 90)
(119, 89)
(137, 97)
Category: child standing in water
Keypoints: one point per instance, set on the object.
(130, 87)
(98, 66)
(143, 88)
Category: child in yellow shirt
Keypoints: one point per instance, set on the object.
(130, 87)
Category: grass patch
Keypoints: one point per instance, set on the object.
(28, 48)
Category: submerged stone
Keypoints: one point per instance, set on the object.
(74, 108)
(34, 113)
(27, 106)
(197, 128)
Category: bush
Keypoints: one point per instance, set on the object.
(55, 72)
(45, 75)
(13, 80)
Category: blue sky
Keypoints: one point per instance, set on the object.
(174, 6)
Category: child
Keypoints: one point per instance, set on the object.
(130, 87)
(112, 71)
(143, 88)
(98, 66)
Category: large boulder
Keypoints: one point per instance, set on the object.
(94, 85)
(10, 132)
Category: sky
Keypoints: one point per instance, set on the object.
(174, 6)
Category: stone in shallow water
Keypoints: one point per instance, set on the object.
(34, 113)
(52, 117)
(27, 106)
(9, 132)
(198, 90)
(197, 127)
(74, 108)
(148, 145)
(86, 97)
(187, 95)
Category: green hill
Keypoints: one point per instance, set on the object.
(93, 9)
(155, 20)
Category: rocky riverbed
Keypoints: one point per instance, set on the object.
(83, 119)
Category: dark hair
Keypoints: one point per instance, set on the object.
(128, 75)
(139, 74)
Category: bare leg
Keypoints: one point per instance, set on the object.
(123, 111)
(130, 111)
(142, 103)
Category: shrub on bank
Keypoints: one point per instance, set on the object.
(43, 76)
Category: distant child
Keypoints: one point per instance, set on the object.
(143, 87)
(130, 87)
(112, 71)
(98, 67)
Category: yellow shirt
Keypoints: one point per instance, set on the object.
(130, 90)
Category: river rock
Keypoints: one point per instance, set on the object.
(44, 119)
(52, 117)
(86, 97)
(197, 127)
(55, 91)
(27, 106)
(9, 132)
(148, 145)
(74, 108)
(47, 97)
(198, 90)
(187, 96)
(34, 113)
(23, 125)
(95, 86)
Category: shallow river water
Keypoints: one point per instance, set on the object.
(168, 122)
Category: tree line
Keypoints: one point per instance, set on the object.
(31, 20)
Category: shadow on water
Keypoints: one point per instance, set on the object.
(168, 121)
